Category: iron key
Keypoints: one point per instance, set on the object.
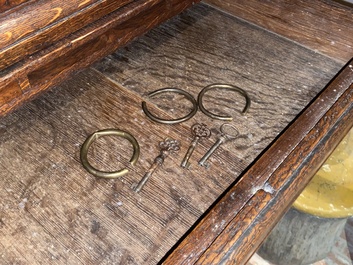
(166, 147)
(224, 137)
(199, 131)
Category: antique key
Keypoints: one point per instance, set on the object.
(199, 131)
(166, 147)
(224, 137)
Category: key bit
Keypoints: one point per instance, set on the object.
(166, 147)
(199, 131)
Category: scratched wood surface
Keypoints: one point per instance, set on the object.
(279, 79)
(39, 25)
(325, 26)
(10, 4)
(56, 47)
(53, 211)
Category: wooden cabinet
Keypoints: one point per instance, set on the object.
(294, 59)
(7, 5)
(43, 42)
(286, 167)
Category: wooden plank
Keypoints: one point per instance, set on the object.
(14, 26)
(59, 213)
(92, 42)
(9, 92)
(323, 26)
(289, 180)
(188, 63)
(282, 171)
(39, 25)
(204, 46)
(8, 4)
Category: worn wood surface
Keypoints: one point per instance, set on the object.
(54, 212)
(50, 65)
(41, 24)
(280, 82)
(236, 243)
(11, 4)
(325, 26)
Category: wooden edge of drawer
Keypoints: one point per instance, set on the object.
(43, 23)
(10, 6)
(323, 26)
(230, 233)
(55, 64)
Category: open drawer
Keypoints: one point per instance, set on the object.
(54, 211)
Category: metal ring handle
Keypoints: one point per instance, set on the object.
(224, 132)
(174, 121)
(93, 137)
(222, 86)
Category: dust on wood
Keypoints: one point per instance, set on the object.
(54, 211)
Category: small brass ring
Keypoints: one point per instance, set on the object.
(173, 121)
(93, 137)
(222, 86)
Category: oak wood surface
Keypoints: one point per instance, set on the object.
(11, 4)
(194, 51)
(325, 26)
(55, 212)
(59, 212)
(39, 25)
(236, 243)
(57, 62)
(195, 244)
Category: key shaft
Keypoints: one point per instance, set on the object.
(203, 161)
(166, 147)
(158, 161)
(185, 163)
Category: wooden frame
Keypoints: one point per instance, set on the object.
(44, 58)
(234, 228)
(323, 26)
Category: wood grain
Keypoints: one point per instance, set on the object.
(190, 58)
(43, 23)
(8, 4)
(289, 179)
(92, 43)
(283, 171)
(320, 25)
(11, 91)
(53, 211)
(193, 51)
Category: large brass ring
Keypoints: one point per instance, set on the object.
(172, 121)
(222, 86)
(93, 137)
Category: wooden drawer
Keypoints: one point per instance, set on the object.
(7, 5)
(300, 84)
(42, 37)
(39, 25)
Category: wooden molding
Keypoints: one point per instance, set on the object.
(234, 228)
(43, 23)
(52, 64)
(323, 26)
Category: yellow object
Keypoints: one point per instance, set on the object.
(330, 192)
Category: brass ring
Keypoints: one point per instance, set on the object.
(174, 121)
(222, 86)
(93, 137)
